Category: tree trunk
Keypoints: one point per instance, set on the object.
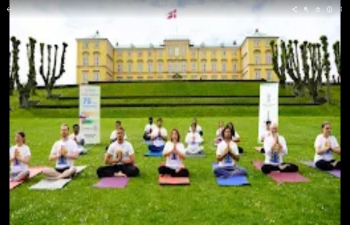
(23, 100)
(48, 91)
(328, 91)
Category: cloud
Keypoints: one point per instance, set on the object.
(144, 21)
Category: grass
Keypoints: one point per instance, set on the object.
(203, 202)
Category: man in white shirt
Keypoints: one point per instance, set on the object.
(78, 138)
(64, 152)
(325, 145)
(198, 128)
(194, 141)
(149, 129)
(227, 156)
(19, 159)
(113, 136)
(265, 134)
(175, 153)
(158, 136)
(275, 148)
(120, 159)
(219, 133)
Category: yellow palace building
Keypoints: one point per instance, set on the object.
(176, 58)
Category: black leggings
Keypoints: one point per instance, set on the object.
(163, 170)
(327, 165)
(290, 168)
(240, 150)
(262, 150)
(109, 171)
(146, 137)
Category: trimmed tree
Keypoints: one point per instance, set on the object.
(50, 78)
(326, 65)
(336, 50)
(11, 79)
(316, 71)
(279, 67)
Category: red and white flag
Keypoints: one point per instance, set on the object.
(171, 15)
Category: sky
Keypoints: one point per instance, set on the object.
(142, 22)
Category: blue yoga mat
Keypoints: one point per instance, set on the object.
(232, 181)
(154, 154)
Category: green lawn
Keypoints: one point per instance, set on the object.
(203, 202)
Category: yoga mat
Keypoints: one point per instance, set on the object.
(47, 184)
(335, 173)
(232, 181)
(168, 180)
(112, 182)
(154, 154)
(33, 171)
(283, 177)
(199, 155)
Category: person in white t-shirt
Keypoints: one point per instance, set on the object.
(175, 153)
(325, 145)
(227, 156)
(149, 129)
(194, 141)
(19, 159)
(159, 136)
(64, 152)
(275, 148)
(219, 133)
(78, 138)
(120, 159)
(265, 134)
(198, 128)
(235, 136)
(113, 136)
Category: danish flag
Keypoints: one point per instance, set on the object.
(171, 15)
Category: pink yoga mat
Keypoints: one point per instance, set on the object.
(283, 177)
(112, 182)
(335, 173)
(33, 171)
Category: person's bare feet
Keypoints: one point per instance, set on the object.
(334, 163)
(282, 167)
(119, 174)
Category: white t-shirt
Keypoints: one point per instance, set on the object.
(71, 147)
(158, 142)
(24, 152)
(126, 148)
(149, 128)
(79, 137)
(114, 135)
(320, 142)
(198, 129)
(227, 161)
(193, 140)
(218, 133)
(265, 134)
(271, 156)
(173, 161)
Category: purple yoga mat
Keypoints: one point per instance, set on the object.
(112, 182)
(335, 173)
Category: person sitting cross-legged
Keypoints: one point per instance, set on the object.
(19, 159)
(113, 136)
(265, 134)
(64, 152)
(120, 159)
(235, 136)
(78, 138)
(325, 145)
(158, 136)
(194, 141)
(149, 129)
(174, 151)
(227, 156)
(199, 129)
(275, 148)
(218, 133)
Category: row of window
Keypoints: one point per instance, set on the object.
(258, 75)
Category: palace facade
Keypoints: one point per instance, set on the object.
(176, 58)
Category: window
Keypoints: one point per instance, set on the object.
(268, 58)
(234, 53)
(177, 69)
(213, 67)
(183, 51)
(139, 78)
(160, 67)
(256, 43)
(129, 67)
(96, 76)
(120, 54)
(86, 60)
(193, 54)
(86, 45)
(160, 53)
(224, 77)
(129, 54)
(183, 67)
(170, 68)
(204, 67)
(140, 54)
(213, 53)
(224, 67)
(160, 78)
(193, 67)
(149, 54)
(150, 78)
(139, 67)
(149, 67)
(96, 60)
(269, 75)
(177, 51)
(203, 53)
(120, 67)
(257, 75)
(223, 53)
(214, 77)
(267, 43)
(193, 77)
(85, 77)
(257, 58)
(234, 67)
(97, 44)
(170, 51)
(129, 78)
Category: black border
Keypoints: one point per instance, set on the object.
(343, 130)
(6, 87)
